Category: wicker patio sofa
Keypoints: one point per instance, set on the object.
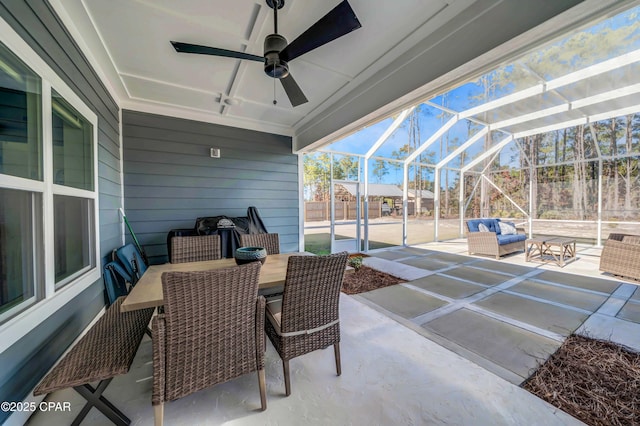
(621, 256)
(493, 242)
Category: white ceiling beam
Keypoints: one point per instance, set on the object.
(441, 131)
(392, 128)
(606, 96)
(505, 100)
(552, 127)
(583, 74)
(580, 103)
(531, 116)
(579, 121)
(463, 147)
(497, 147)
(615, 113)
(593, 70)
(453, 112)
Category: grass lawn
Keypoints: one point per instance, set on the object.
(321, 243)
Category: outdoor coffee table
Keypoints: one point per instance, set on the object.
(551, 249)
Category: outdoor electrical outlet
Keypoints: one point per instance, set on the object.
(215, 152)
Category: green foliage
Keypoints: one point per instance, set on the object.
(355, 262)
(317, 173)
(380, 169)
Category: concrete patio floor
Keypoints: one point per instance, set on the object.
(520, 312)
(487, 326)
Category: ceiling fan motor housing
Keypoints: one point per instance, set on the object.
(273, 65)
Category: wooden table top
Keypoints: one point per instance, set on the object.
(552, 241)
(147, 293)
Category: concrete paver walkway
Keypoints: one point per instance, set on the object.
(508, 316)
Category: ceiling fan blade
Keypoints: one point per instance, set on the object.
(206, 50)
(340, 21)
(294, 92)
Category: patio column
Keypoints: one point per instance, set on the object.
(383, 138)
(531, 201)
(366, 205)
(405, 200)
(436, 203)
(599, 238)
(461, 203)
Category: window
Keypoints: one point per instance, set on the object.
(72, 143)
(20, 118)
(48, 191)
(19, 245)
(72, 236)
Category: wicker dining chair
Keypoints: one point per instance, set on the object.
(306, 317)
(271, 242)
(211, 331)
(195, 248)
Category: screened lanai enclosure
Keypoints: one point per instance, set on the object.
(549, 139)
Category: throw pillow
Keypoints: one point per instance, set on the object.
(507, 228)
(483, 228)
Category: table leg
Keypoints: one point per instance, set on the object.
(557, 258)
(532, 249)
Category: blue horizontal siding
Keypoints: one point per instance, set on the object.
(170, 179)
(25, 362)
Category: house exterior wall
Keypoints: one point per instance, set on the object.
(170, 178)
(26, 362)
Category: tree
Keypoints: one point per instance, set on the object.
(317, 175)
(380, 169)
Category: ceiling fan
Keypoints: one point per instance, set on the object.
(277, 52)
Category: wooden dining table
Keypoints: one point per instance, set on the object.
(147, 293)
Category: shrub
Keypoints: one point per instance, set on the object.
(355, 262)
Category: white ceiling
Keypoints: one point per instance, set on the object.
(128, 43)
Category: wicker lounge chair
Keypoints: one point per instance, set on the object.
(271, 242)
(621, 256)
(211, 331)
(306, 317)
(195, 249)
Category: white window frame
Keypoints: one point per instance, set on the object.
(51, 299)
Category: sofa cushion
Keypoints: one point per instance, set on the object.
(473, 225)
(482, 228)
(490, 223)
(508, 239)
(274, 312)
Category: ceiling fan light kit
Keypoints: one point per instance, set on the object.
(340, 21)
(273, 65)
